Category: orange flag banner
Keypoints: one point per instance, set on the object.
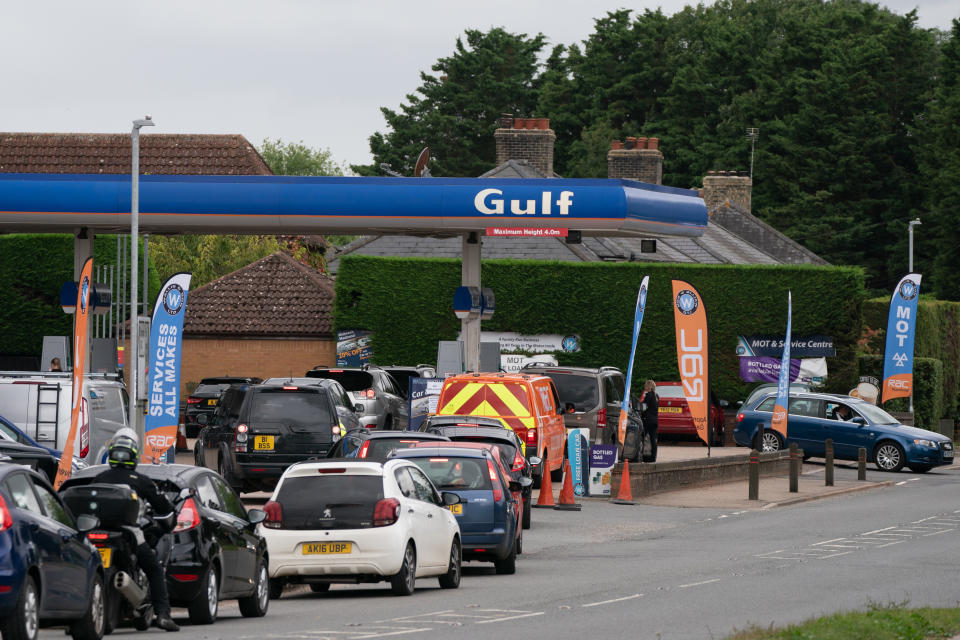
(690, 320)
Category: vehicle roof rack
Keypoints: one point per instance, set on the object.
(66, 375)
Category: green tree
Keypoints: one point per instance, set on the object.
(455, 112)
(208, 257)
(297, 159)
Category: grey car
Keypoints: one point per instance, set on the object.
(403, 374)
(596, 396)
(384, 404)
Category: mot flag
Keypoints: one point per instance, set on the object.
(166, 347)
(901, 328)
(637, 321)
(781, 407)
(690, 317)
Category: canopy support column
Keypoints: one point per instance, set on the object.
(470, 277)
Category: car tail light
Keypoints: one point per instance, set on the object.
(185, 577)
(84, 429)
(240, 438)
(188, 518)
(193, 400)
(495, 481)
(531, 437)
(97, 536)
(6, 520)
(368, 393)
(291, 388)
(274, 513)
(363, 449)
(332, 470)
(386, 512)
(518, 462)
(740, 417)
(602, 418)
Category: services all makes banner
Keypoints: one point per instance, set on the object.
(898, 349)
(166, 349)
(637, 321)
(690, 318)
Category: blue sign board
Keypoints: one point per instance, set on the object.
(578, 452)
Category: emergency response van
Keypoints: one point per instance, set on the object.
(528, 404)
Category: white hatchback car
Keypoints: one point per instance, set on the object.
(350, 522)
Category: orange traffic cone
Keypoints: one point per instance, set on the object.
(545, 499)
(181, 440)
(624, 495)
(566, 502)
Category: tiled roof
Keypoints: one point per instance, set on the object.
(160, 153)
(275, 296)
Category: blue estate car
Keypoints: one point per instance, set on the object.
(815, 417)
(50, 574)
(488, 515)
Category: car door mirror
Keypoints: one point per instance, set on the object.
(858, 420)
(724, 404)
(256, 516)
(450, 498)
(522, 483)
(203, 419)
(185, 493)
(534, 461)
(87, 522)
(358, 408)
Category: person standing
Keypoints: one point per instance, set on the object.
(649, 407)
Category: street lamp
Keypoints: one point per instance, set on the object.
(911, 225)
(134, 233)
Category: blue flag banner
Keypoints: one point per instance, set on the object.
(637, 321)
(781, 407)
(166, 347)
(901, 328)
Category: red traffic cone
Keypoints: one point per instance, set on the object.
(624, 495)
(566, 502)
(545, 499)
(181, 440)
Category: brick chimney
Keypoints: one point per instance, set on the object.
(635, 159)
(529, 139)
(727, 187)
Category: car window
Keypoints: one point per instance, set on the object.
(211, 388)
(805, 407)
(613, 395)
(299, 408)
(671, 391)
(767, 405)
(207, 494)
(330, 501)
(381, 447)
(340, 395)
(390, 385)
(350, 380)
(9, 433)
(349, 446)
(231, 501)
(405, 483)
(52, 507)
(19, 488)
(456, 473)
(582, 391)
(425, 490)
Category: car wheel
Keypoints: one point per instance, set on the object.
(508, 566)
(203, 609)
(227, 476)
(526, 512)
(276, 588)
(920, 468)
(451, 579)
(889, 456)
(320, 587)
(770, 442)
(519, 542)
(197, 455)
(24, 621)
(255, 605)
(388, 423)
(404, 582)
(91, 625)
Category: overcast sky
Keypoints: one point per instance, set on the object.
(312, 71)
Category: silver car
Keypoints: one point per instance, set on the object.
(384, 404)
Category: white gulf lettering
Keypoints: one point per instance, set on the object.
(531, 209)
(480, 202)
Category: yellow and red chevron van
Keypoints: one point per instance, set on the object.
(528, 404)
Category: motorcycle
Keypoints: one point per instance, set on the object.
(125, 524)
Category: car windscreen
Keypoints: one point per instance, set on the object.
(298, 408)
(380, 448)
(211, 388)
(671, 391)
(448, 472)
(349, 380)
(874, 414)
(330, 501)
(582, 391)
(507, 450)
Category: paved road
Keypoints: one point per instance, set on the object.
(664, 572)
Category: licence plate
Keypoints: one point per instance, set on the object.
(315, 548)
(669, 410)
(211, 402)
(263, 443)
(105, 553)
(456, 509)
(948, 453)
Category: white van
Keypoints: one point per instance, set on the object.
(39, 404)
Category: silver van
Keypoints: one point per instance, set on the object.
(39, 404)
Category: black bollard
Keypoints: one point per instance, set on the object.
(862, 464)
(794, 468)
(754, 490)
(828, 467)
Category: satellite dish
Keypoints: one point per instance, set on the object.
(420, 169)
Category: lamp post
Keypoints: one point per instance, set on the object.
(910, 226)
(134, 233)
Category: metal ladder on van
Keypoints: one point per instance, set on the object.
(48, 413)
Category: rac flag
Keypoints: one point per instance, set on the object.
(901, 328)
(80, 322)
(781, 407)
(690, 317)
(166, 347)
(637, 321)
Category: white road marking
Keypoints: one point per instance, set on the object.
(597, 604)
(526, 615)
(697, 584)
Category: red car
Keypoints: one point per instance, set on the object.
(673, 414)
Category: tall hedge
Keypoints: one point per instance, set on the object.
(928, 389)
(408, 305)
(938, 336)
(33, 268)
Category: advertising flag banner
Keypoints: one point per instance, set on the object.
(898, 351)
(637, 321)
(80, 322)
(690, 319)
(166, 348)
(780, 408)
(578, 452)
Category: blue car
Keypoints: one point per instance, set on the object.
(851, 423)
(491, 508)
(50, 574)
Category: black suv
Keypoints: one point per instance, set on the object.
(203, 400)
(259, 430)
(596, 396)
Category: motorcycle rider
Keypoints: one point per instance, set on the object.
(122, 455)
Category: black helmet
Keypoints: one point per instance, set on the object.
(123, 449)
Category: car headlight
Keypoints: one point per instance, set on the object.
(925, 443)
(78, 464)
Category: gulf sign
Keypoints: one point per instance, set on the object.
(901, 328)
(690, 320)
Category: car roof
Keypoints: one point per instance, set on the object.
(495, 377)
(819, 395)
(455, 418)
(498, 433)
(449, 451)
(10, 447)
(152, 471)
(399, 435)
(350, 466)
(562, 369)
(9, 466)
(228, 379)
